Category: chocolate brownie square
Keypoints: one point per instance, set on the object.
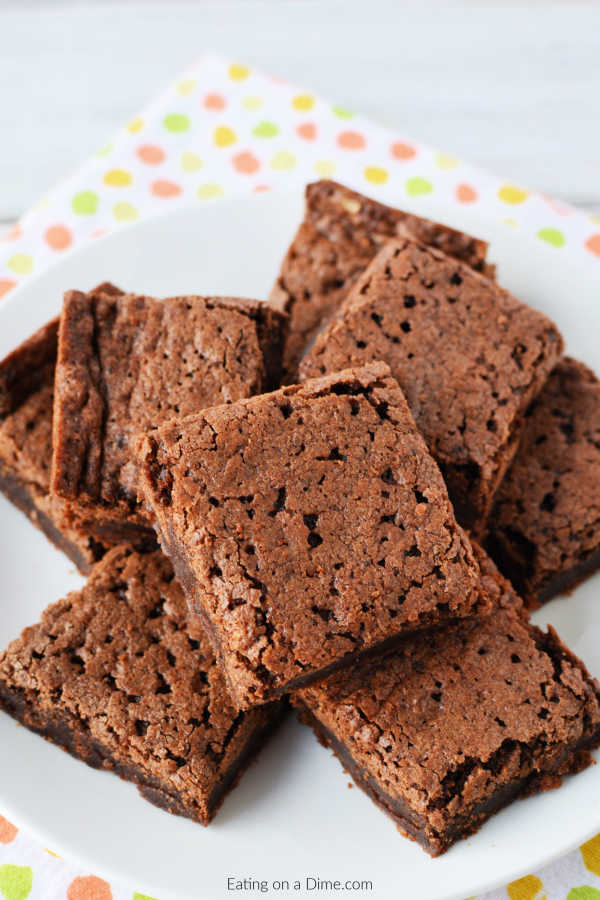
(545, 526)
(127, 363)
(341, 233)
(468, 356)
(457, 723)
(26, 397)
(307, 526)
(117, 676)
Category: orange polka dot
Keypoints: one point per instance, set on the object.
(246, 163)
(6, 285)
(307, 130)
(58, 237)
(12, 234)
(214, 101)
(400, 150)
(593, 244)
(466, 194)
(89, 887)
(99, 232)
(261, 188)
(151, 154)
(351, 140)
(8, 832)
(164, 188)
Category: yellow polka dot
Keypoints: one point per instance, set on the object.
(595, 220)
(283, 161)
(303, 102)
(443, 161)
(238, 72)
(52, 853)
(208, 191)
(190, 162)
(325, 168)
(125, 212)
(104, 151)
(252, 103)
(20, 264)
(590, 851)
(376, 175)
(118, 178)
(509, 221)
(224, 136)
(526, 888)
(510, 193)
(135, 125)
(186, 87)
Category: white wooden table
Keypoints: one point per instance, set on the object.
(512, 86)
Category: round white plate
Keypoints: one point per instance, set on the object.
(292, 816)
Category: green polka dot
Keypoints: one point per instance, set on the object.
(341, 112)
(585, 892)
(176, 122)
(15, 882)
(138, 896)
(265, 130)
(417, 185)
(125, 212)
(104, 151)
(20, 264)
(552, 236)
(85, 203)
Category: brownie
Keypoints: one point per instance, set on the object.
(26, 396)
(341, 233)
(127, 363)
(307, 526)
(468, 356)
(457, 723)
(117, 676)
(545, 526)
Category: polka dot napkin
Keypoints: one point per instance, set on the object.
(225, 129)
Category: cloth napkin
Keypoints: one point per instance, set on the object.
(224, 129)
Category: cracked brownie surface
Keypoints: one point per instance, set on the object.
(468, 356)
(457, 723)
(26, 398)
(307, 526)
(341, 233)
(545, 527)
(127, 363)
(117, 676)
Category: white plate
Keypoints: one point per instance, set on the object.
(292, 816)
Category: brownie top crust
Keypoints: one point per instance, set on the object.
(468, 355)
(341, 233)
(126, 363)
(119, 660)
(453, 716)
(307, 525)
(343, 214)
(546, 519)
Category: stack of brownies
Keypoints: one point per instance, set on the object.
(291, 500)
